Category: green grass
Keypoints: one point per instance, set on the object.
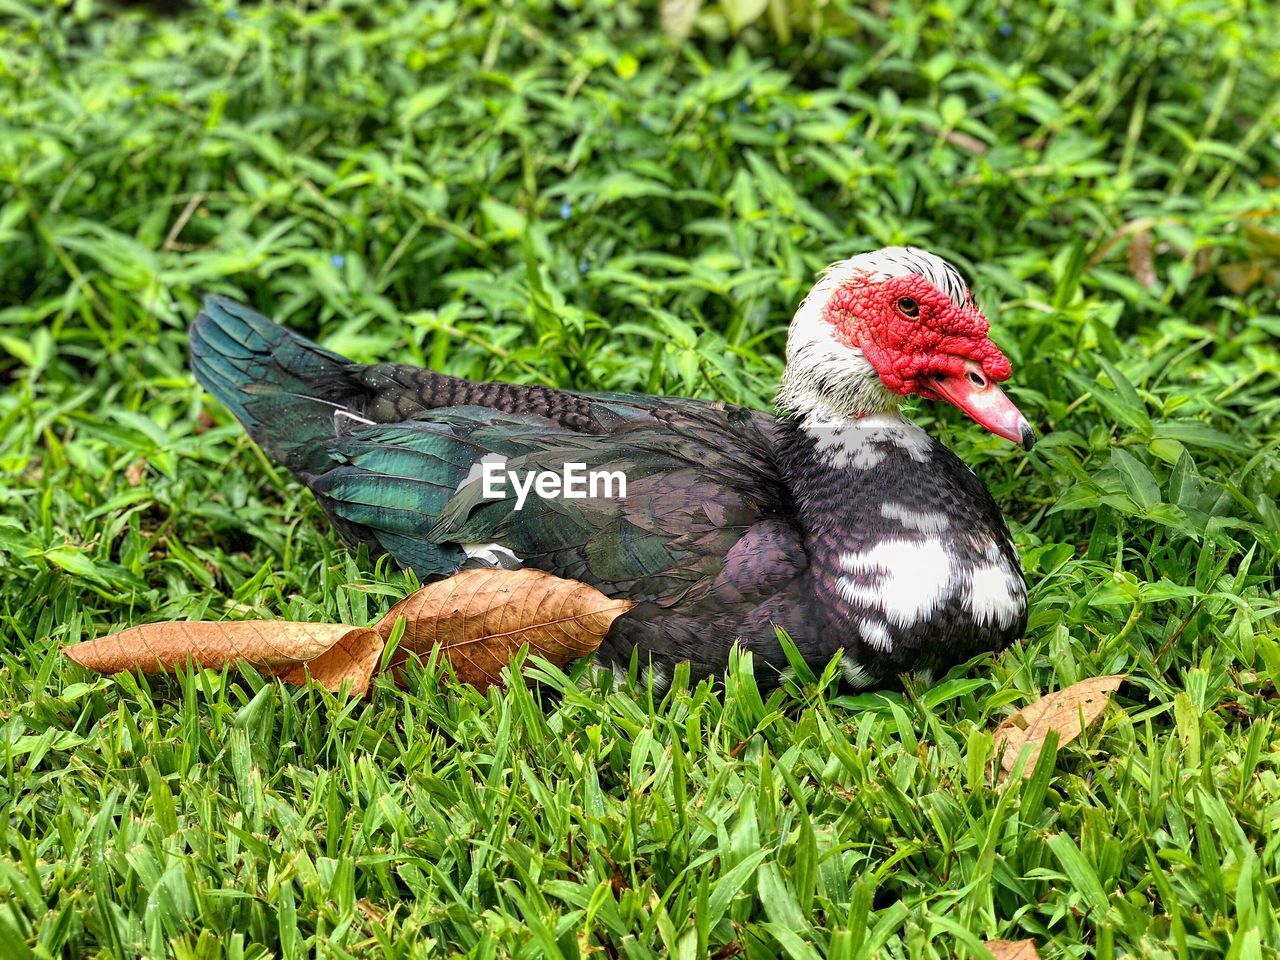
(558, 194)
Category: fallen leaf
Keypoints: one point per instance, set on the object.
(478, 618)
(1263, 242)
(1137, 225)
(136, 472)
(957, 139)
(1141, 262)
(1067, 711)
(1239, 278)
(354, 657)
(278, 647)
(1013, 949)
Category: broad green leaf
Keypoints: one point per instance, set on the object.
(1139, 482)
(1121, 401)
(1199, 434)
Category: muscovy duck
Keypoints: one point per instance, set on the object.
(838, 520)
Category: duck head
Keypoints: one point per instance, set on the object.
(883, 325)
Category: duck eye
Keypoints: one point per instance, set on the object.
(908, 307)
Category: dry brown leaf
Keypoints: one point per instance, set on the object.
(957, 139)
(1141, 261)
(1241, 277)
(354, 657)
(479, 619)
(136, 472)
(1137, 225)
(1067, 711)
(1013, 949)
(267, 644)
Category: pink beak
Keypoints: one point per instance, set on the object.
(975, 394)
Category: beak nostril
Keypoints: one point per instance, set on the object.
(979, 396)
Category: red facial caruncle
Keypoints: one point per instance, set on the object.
(908, 329)
(920, 341)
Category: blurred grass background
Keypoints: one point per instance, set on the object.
(567, 193)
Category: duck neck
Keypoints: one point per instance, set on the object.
(848, 478)
(833, 389)
(839, 468)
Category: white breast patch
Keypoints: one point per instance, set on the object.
(864, 443)
(926, 521)
(854, 674)
(876, 634)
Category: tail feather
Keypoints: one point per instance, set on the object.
(280, 386)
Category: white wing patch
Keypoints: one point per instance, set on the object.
(650, 673)
(488, 554)
(491, 555)
(995, 593)
(476, 473)
(906, 579)
(655, 675)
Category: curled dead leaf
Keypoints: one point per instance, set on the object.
(1138, 225)
(478, 619)
(1013, 949)
(957, 139)
(155, 647)
(136, 472)
(353, 657)
(1068, 712)
(1141, 260)
(1241, 277)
